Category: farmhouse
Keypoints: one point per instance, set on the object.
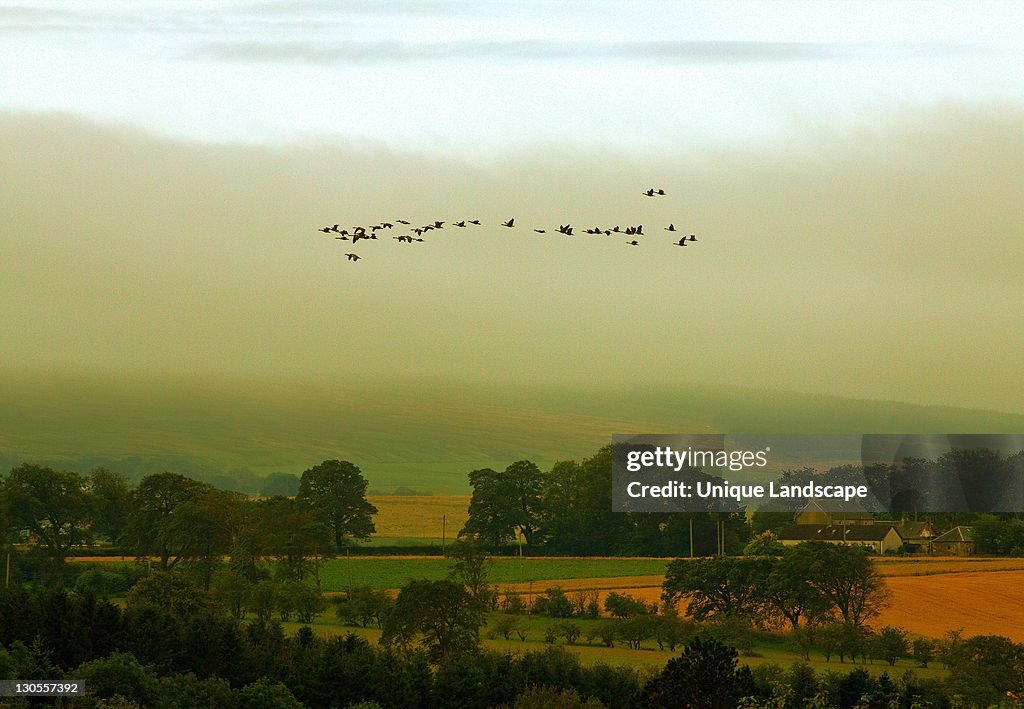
(879, 538)
(917, 536)
(959, 541)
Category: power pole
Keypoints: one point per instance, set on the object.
(691, 536)
(444, 525)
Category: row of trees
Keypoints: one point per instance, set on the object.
(810, 583)
(569, 510)
(180, 520)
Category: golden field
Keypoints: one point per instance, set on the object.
(419, 516)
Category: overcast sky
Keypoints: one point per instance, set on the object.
(853, 172)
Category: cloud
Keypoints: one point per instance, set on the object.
(683, 52)
(877, 261)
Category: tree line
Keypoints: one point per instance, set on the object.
(181, 521)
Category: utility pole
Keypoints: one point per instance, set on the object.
(691, 536)
(444, 525)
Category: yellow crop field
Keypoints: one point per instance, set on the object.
(419, 517)
(982, 603)
(938, 596)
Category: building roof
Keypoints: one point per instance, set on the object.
(837, 508)
(833, 532)
(956, 534)
(910, 530)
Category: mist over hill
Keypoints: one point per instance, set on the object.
(422, 434)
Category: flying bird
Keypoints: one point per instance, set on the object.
(633, 243)
(692, 237)
(353, 257)
(681, 242)
(341, 238)
(475, 221)
(326, 229)
(460, 224)
(509, 223)
(670, 227)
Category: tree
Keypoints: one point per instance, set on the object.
(892, 643)
(152, 525)
(717, 586)
(470, 569)
(51, 505)
(788, 595)
(336, 491)
(505, 503)
(439, 615)
(846, 577)
(705, 676)
(291, 532)
(111, 495)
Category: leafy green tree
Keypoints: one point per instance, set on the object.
(336, 491)
(764, 544)
(892, 643)
(53, 506)
(439, 615)
(788, 595)
(111, 495)
(505, 503)
(922, 650)
(622, 605)
(717, 586)
(705, 676)
(362, 606)
(846, 577)
(154, 528)
(470, 569)
(292, 533)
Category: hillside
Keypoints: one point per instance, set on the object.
(426, 435)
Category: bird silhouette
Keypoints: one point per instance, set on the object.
(661, 191)
(475, 221)
(401, 221)
(633, 243)
(670, 227)
(353, 257)
(341, 238)
(326, 230)
(439, 225)
(649, 193)
(681, 242)
(692, 237)
(509, 223)
(462, 224)
(539, 231)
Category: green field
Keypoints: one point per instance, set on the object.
(394, 572)
(767, 649)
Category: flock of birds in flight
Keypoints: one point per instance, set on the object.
(362, 233)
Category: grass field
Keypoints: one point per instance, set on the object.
(394, 572)
(766, 650)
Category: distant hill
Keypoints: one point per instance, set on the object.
(420, 435)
